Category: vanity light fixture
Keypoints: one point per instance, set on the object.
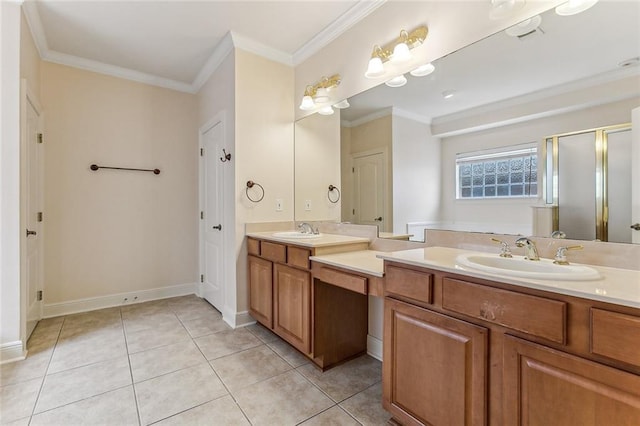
(573, 7)
(397, 52)
(342, 104)
(423, 70)
(319, 92)
(326, 110)
(397, 81)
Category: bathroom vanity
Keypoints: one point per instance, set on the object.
(466, 348)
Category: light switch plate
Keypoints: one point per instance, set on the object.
(278, 204)
(307, 205)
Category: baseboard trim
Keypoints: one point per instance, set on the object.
(12, 351)
(93, 303)
(237, 319)
(374, 347)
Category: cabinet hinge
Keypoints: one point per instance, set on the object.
(39, 138)
(201, 152)
(39, 216)
(39, 295)
(201, 278)
(201, 215)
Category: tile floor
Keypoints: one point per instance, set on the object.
(175, 362)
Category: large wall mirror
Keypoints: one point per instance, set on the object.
(446, 149)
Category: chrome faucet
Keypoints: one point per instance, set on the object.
(306, 228)
(530, 246)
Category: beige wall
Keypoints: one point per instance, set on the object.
(264, 149)
(505, 214)
(29, 58)
(317, 165)
(110, 232)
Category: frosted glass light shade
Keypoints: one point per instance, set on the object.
(342, 104)
(524, 27)
(573, 7)
(398, 81)
(375, 68)
(321, 95)
(501, 9)
(423, 70)
(401, 53)
(327, 110)
(307, 103)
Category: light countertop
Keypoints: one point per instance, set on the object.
(363, 261)
(392, 236)
(325, 240)
(619, 286)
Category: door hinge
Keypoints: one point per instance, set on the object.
(201, 278)
(201, 152)
(354, 211)
(353, 170)
(39, 216)
(201, 215)
(39, 138)
(39, 295)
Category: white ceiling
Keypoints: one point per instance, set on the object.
(500, 67)
(172, 43)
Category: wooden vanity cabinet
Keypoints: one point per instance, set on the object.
(261, 290)
(466, 351)
(435, 367)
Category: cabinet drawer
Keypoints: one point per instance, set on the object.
(253, 247)
(615, 335)
(409, 284)
(507, 308)
(341, 279)
(298, 257)
(273, 251)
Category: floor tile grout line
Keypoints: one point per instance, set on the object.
(35, 404)
(229, 393)
(133, 387)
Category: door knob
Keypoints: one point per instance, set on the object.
(378, 219)
(219, 227)
(30, 232)
(635, 226)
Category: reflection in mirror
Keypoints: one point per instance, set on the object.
(564, 76)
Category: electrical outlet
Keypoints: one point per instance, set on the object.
(307, 205)
(278, 204)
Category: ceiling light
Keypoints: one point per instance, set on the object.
(397, 51)
(448, 94)
(398, 81)
(573, 7)
(501, 9)
(326, 110)
(524, 27)
(342, 104)
(319, 92)
(423, 70)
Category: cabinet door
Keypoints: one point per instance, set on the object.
(435, 367)
(543, 386)
(292, 306)
(261, 290)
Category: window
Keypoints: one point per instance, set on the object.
(510, 172)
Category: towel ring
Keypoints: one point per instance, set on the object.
(251, 184)
(331, 189)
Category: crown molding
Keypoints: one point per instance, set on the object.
(352, 16)
(224, 47)
(116, 71)
(245, 43)
(399, 112)
(369, 117)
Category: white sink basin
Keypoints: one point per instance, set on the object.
(295, 235)
(518, 266)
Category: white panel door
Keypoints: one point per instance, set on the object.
(212, 235)
(369, 190)
(33, 201)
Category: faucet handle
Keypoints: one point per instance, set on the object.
(505, 250)
(561, 254)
